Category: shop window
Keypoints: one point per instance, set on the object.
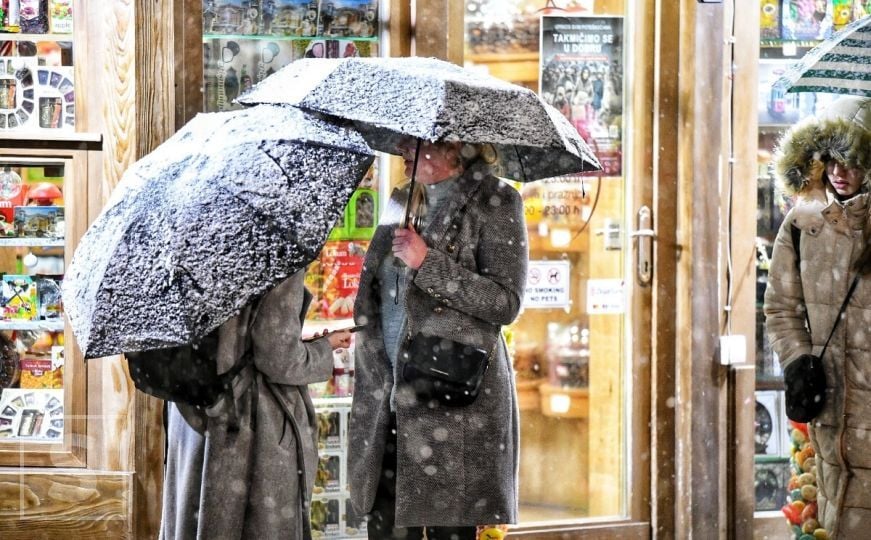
(568, 346)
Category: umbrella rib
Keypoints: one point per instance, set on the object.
(520, 161)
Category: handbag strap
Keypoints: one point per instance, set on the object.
(795, 232)
(840, 312)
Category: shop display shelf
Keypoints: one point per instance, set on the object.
(209, 37)
(32, 242)
(331, 402)
(47, 326)
(8, 36)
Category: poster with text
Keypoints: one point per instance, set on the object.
(582, 77)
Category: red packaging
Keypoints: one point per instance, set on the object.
(341, 263)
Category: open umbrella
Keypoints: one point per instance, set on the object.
(838, 65)
(215, 216)
(430, 99)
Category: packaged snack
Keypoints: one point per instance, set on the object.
(19, 299)
(362, 211)
(842, 13)
(341, 263)
(40, 373)
(33, 16)
(61, 16)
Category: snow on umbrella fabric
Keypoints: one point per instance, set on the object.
(838, 65)
(426, 98)
(215, 216)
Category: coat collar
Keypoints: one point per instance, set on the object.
(843, 216)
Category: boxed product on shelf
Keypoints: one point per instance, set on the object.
(362, 214)
(329, 429)
(769, 21)
(232, 66)
(291, 18)
(342, 262)
(327, 477)
(33, 16)
(50, 298)
(803, 20)
(231, 17)
(61, 16)
(34, 96)
(19, 298)
(354, 525)
(31, 414)
(348, 18)
(325, 515)
(39, 221)
(42, 373)
(343, 372)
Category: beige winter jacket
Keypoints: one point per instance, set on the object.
(831, 242)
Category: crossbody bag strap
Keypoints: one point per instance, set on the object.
(841, 312)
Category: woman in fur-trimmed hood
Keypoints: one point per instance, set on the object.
(826, 163)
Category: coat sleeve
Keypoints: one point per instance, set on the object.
(493, 293)
(279, 352)
(784, 306)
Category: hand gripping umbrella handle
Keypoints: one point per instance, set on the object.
(405, 220)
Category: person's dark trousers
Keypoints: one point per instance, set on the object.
(382, 518)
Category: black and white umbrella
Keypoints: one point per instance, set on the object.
(214, 217)
(430, 99)
(838, 65)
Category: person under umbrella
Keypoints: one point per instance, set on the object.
(209, 237)
(822, 257)
(414, 464)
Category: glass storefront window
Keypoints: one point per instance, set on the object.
(568, 345)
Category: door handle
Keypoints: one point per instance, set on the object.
(645, 236)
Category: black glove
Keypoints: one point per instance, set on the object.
(805, 388)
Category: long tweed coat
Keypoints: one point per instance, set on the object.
(456, 466)
(832, 240)
(254, 482)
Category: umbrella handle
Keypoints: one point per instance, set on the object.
(405, 220)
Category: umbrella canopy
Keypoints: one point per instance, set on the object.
(838, 65)
(434, 100)
(215, 216)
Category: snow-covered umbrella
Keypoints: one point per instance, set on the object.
(215, 216)
(430, 99)
(838, 65)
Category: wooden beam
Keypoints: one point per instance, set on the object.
(744, 140)
(663, 471)
(439, 29)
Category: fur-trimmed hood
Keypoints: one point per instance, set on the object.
(842, 132)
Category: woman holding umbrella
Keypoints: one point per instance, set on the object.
(418, 464)
(818, 301)
(245, 467)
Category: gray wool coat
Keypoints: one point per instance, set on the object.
(457, 466)
(255, 482)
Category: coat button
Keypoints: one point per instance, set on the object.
(451, 248)
(437, 309)
(445, 302)
(429, 290)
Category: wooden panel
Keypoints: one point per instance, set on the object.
(599, 531)
(607, 355)
(399, 28)
(61, 504)
(439, 29)
(188, 49)
(640, 188)
(554, 462)
(663, 473)
(744, 140)
(702, 379)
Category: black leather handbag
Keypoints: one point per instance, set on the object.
(443, 370)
